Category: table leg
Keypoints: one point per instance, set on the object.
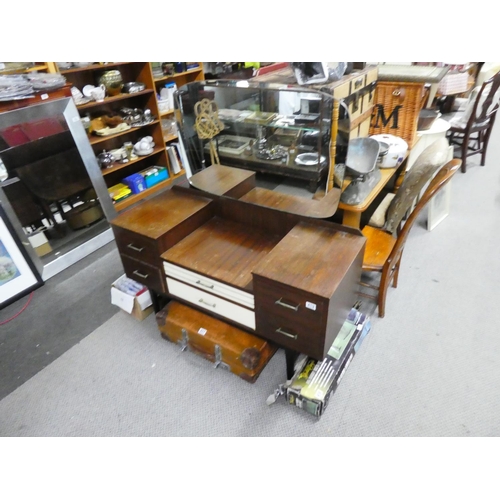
(432, 95)
(291, 357)
(351, 219)
(159, 301)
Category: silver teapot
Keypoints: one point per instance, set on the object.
(105, 159)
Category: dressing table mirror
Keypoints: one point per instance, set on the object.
(275, 145)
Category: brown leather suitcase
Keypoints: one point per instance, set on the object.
(227, 346)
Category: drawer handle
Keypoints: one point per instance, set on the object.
(207, 303)
(291, 335)
(132, 247)
(143, 276)
(284, 304)
(204, 284)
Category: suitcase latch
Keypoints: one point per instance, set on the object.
(184, 341)
(218, 359)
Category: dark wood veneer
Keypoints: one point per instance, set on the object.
(303, 272)
(224, 250)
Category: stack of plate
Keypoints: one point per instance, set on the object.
(46, 81)
(14, 87)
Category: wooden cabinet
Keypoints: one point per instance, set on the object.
(288, 278)
(16, 68)
(146, 99)
(149, 229)
(180, 79)
(304, 287)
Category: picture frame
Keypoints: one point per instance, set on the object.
(439, 207)
(18, 274)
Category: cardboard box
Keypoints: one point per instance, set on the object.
(135, 182)
(154, 175)
(314, 382)
(40, 243)
(137, 304)
(119, 192)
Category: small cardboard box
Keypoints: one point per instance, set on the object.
(154, 175)
(135, 182)
(138, 305)
(40, 243)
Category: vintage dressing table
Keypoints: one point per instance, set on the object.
(265, 260)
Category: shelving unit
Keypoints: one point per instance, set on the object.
(180, 79)
(146, 99)
(47, 67)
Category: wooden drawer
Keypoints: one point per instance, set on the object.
(342, 90)
(273, 298)
(211, 303)
(149, 276)
(136, 246)
(209, 285)
(290, 334)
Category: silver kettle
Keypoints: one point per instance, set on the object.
(105, 159)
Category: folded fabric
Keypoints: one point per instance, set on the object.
(379, 216)
(429, 161)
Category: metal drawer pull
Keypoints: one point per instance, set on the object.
(284, 304)
(207, 303)
(291, 335)
(204, 284)
(143, 276)
(135, 248)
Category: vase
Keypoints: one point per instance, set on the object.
(113, 81)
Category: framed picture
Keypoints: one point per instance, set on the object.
(18, 275)
(439, 205)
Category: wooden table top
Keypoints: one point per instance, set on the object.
(316, 208)
(385, 176)
(224, 250)
(311, 258)
(153, 217)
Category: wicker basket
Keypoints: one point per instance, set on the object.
(396, 109)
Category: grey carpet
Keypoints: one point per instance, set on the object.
(64, 310)
(429, 368)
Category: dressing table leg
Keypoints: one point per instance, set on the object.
(291, 357)
(159, 301)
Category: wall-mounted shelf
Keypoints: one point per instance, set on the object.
(132, 199)
(108, 100)
(92, 67)
(99, 139)
(121, 166)
(179, 75)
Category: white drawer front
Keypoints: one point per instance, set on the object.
(212, 303)
(211, 286)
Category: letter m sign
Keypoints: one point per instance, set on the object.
(379, 116)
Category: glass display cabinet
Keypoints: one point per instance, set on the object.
(288, 135)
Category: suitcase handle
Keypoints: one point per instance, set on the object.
(284, 304)
(143, 276)
(132, 247)
(207, 303)
(204, 284)
(291, 335)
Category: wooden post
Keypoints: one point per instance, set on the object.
(333, 144)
